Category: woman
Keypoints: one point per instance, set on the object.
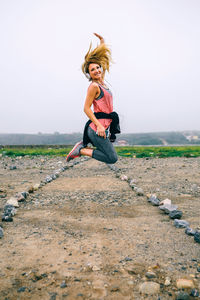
(103, 119)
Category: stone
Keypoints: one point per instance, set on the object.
(13, 168)
(154, 200)
(194, 293)
(6, 219)
(181, 223)
(1, 233)
(36, 186)
(149, 288)
(197, 236)
(166, 201)
(175, 214)
(96, 268)
(139, 191)
(9, 210)
(182, 296)
(25, 194)
(168, 208)
(190, 231)
(13, 201)
(20, 197)
(63, 284)
(124, 177)
(150, 275)
(30, 189)
(21, 289)
(167, 281)
(48, 179)
(182, 283)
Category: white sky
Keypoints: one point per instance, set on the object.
(155, 79)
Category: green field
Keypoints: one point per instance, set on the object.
(130, 151)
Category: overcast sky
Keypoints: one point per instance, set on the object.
(155, 79)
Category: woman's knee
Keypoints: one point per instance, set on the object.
(113, 159)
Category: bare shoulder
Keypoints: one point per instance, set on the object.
(93, 86)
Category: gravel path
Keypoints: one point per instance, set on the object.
(87, 235)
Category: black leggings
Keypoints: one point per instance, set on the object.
(105, 150)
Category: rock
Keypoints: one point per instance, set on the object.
(182, 296)
(63, 284)
(20, 198)
(181, 223)
(166, 201)
(13, 201)
(149, 288)
(96, 268)
(124, 178)
(53, 176)
(168, 208)
(114, 288)
(194, 293)
(30, 189)
(13, 168)
(182, 283)
(132, 182)
(154, 200)
(1, 233)
(6, 219)
(9, 210)
(25, 194)
(150, 275)
(190, 231)
(175, 214)
(139, 191)
(167, 281)
(48, 179)
(21, 289)
(36, 186)
(197, 236)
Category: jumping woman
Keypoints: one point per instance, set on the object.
(103, 123)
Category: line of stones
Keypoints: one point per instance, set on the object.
(165, 205)
(9, 209)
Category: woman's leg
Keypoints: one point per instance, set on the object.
(104, 151)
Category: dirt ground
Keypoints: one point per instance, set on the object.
(87, 235)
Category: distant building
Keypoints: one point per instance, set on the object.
(192, 137)
(122, 143)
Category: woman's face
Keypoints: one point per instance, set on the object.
(95, 71)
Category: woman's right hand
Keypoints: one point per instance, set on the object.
(101, 131)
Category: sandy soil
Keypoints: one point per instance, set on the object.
(87, 235)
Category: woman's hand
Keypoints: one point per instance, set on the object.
(101, 131)
(100, 37)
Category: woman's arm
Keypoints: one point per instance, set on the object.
(100, 38)
(91, 94)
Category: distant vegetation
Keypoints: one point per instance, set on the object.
(155, 138)
(130, 151)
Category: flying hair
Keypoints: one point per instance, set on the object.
(101, 55)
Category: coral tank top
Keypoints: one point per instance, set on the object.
(104, 103)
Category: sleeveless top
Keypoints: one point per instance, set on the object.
(104, 103)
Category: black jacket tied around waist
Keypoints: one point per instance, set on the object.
(114, 126)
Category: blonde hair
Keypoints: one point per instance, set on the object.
(101, 55)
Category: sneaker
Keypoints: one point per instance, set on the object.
(75, 152)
